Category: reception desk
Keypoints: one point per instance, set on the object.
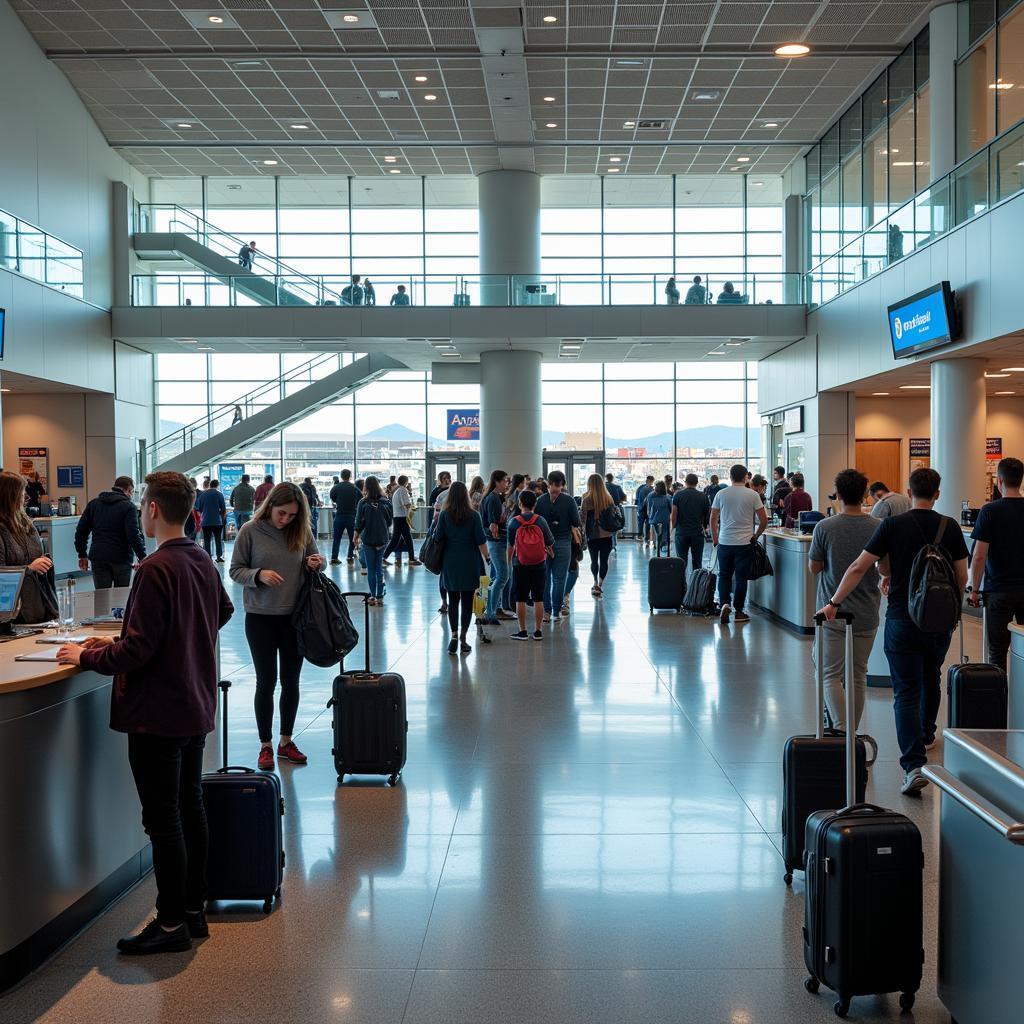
(1015, 670)
(73, 838)
(789, 595)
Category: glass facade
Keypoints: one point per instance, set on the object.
(29, 250)
(646, 417)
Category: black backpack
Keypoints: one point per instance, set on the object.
(612, 519)
(934, 600)
(375, 527)
(322, 623)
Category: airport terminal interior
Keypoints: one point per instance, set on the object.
(679, 258)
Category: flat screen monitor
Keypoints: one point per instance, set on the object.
(923, 321)
(10, 589)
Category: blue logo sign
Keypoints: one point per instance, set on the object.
(230, 475)
(463, 424)
(919, 322)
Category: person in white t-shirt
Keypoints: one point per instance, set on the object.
(401, 534)
(738, 518)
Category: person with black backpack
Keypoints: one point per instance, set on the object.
(602, 519)
(373, 532)
(922, 559)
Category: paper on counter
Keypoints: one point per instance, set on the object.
(48, 654)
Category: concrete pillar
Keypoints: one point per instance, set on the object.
(942, 26)
(509, 231)
(959, 416)
(510, 412)
(792, 254)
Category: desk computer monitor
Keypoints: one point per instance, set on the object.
(10, 590)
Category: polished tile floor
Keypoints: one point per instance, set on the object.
(587, 832)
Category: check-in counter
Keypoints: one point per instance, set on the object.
(789, 595)
(73, 838)
(58, 536)
(1015, 670)
(981, 867)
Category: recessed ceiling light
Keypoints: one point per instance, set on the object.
(390, 159)
(430, 97)
(757, 184)
(269, 163)
(248, 63)
(770, 124)
(549, 99)
(629, 124)
(350, 19)
(997, 375)
(736, 168)
(420, 78)
(550, 19)
(395, 170)
(1013, 369)
(551, 124)
(205, 348)
(183, 124)
(1006, 392)
(234, 188)
(1000, 85)
(299, 127)
(615, 159)
(743, 159)
(614, 170)
(716, 353)
(792, 50)
(880, 394)
(704, 95)
(215, 19)
(915, 387)
(5, 391)
(733, 344)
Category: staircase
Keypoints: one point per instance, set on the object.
(250, 418)
(196, 242)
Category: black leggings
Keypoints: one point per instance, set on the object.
(271, 637)
(600, 548)
(455, 599)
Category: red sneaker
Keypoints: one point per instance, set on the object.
(266, 759)
(290, 752)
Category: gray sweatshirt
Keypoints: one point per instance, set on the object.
(259, 545)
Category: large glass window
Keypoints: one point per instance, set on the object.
(1010, 85)
(976, 98)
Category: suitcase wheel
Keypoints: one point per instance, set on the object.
(788, 878)
(393, 780)
(267, 905)
(906, 1001)
(811, 984)
(841, 1008)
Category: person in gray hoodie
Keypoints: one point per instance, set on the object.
(272, 553)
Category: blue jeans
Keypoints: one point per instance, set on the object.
(374, 559)
(557, 572)
(692, 543)
(915, 665)
(660, 538)
(314, 515)
(499, 577)
(642, 524)
(733, 566)
(344, 522)
(241, 518)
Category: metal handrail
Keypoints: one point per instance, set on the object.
(246, 403)
(995, 817)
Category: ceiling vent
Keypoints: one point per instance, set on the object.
(652, 125)
(387, 94)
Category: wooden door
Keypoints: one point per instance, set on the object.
(879, 459)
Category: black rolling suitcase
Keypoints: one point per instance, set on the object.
(699, 596)
(666, 583)
(370, 726)
(976, 692)
(244, 810)
(814, 767)
(863, 932)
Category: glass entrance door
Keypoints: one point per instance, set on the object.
(576, 466)
(462, 466)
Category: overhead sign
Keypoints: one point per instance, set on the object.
(793, 420)
(230, 475)
(920, 447)
(71, 476)
(993, 447)
(923, 321)
(463, 424)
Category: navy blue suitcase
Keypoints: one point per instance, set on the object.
(245, 811)
(666, 583)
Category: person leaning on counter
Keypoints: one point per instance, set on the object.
(165, 698)
(20, 545)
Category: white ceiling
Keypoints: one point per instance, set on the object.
(706, 68)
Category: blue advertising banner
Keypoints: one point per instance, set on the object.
(463, 424)
(919, 322)
(230, 476)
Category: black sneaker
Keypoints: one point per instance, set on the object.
(154, 939)
(521, 635)
(453, 646)
(538, 634)
(741, 617)
(196, 924)
(337, 561)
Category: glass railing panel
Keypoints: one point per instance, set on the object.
(1007, 165)
(876, 249)
(932, 212)
(970, 188)
(851, 264)
(830, 279)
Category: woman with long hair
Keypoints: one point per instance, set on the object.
(373, 532)
(494, 515)
(461, 531)
(599, 541)
(659, 515)
(20, 546)
(272, 554)
(476, 492)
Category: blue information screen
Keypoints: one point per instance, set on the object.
(919, 322)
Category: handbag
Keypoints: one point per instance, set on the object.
(760, 563)
(322, 622)
(432, 553)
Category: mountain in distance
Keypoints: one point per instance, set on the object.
(393, 432)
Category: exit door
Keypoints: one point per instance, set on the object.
(576, 466)
(462, 466)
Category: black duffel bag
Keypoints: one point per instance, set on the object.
(322, 622)
(760, 563)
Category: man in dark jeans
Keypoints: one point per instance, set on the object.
(691, 513)
(113, 523)
(997, 562)
(165, 698)
(915, 657)
(734, 512)
(345, 497)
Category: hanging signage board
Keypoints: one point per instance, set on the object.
(993, 448)
(920, 447)
(464, 425)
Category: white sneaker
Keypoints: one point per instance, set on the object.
(725, 613)
(913, 782)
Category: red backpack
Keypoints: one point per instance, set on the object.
(530, 547)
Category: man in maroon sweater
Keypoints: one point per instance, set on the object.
(165, 698)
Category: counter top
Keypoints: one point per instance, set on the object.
(55, 519)
(1002, 749)
(1015, 628)
(783, 534)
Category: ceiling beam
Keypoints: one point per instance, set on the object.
(454, 144)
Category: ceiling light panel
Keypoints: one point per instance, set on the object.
(356, 20)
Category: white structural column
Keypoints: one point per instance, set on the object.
(958, 432)
(509, 228)
(510, 411)
(942, 90)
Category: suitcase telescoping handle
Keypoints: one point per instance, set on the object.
(225, 685)
(984, 632)
(366, 627)
(819, 659)
(849, 702)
